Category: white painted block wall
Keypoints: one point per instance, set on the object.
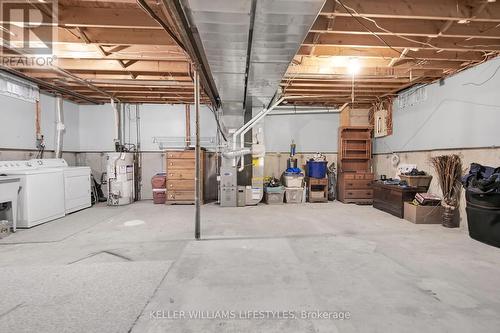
(17, 125)
(311, 132)
(462, 113)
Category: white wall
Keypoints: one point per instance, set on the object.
(458, 114)
(17, 125)
(161, 121)
(96, 128)
(157, 120)
(311, 132)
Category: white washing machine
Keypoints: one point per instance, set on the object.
(41, 197)
(77, 182)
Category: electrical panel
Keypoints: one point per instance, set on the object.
(380, 117)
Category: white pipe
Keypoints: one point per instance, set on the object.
(237, 153)
(59, 127)
(117, 121)
(241, 129)
(290, 113)
(252, 123)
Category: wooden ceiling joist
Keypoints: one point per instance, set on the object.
(117, 47)
(396, 44)
(410, 28)
(442, 10)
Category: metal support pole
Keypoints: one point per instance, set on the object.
(188, 125)
(197, 154)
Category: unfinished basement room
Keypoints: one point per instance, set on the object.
(250, 166)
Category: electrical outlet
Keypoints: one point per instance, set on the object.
(40, 142)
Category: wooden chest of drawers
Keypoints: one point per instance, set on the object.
(391, 198)
(355, 187)
(180, 171)
(354, 165)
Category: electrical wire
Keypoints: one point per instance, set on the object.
(481, 83)
(348, 9)
(217, 122)
(369, 30)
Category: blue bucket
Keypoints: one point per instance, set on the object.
(316, 169)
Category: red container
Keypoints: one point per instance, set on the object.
(159, 181)
(159, 184)
(159, 196)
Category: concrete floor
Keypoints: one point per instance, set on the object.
(127, 269)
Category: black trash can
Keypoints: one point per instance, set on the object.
(488, 200)
(483, 217)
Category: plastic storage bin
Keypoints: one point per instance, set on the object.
(159, 196)
(293, 179)
(294, 194)
(159, 181)
(316, 169)
(274, 195)
(417, 181)
(483, 217)
(273, 198)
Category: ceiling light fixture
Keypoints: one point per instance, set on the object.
(353, 66)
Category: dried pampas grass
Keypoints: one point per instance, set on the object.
(449, 171)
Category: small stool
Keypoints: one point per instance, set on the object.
(318, 189)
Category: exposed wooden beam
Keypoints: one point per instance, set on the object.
(338, 86)
(94, 17)
(136, 65)
(361, 52)
(360, 41)
(368, 71)
(104, 75)
(408, 27)
(108, 36)
(422, 10)
(341, 80)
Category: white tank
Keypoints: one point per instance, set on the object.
(120, 175)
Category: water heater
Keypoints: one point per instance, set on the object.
(120, 175)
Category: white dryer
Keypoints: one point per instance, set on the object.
(41, 197)
(77, 182)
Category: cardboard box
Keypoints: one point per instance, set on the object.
(423, 214)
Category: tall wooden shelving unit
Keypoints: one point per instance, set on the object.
(355, 165)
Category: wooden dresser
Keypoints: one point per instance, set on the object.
(180, 176)
(355, 187)
(354, 164)
(391, 198)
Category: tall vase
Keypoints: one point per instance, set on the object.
(450, 219)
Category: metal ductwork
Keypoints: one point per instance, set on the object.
(223, 26)
(280, 28)
(250, 43)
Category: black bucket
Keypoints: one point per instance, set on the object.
(483, 217)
